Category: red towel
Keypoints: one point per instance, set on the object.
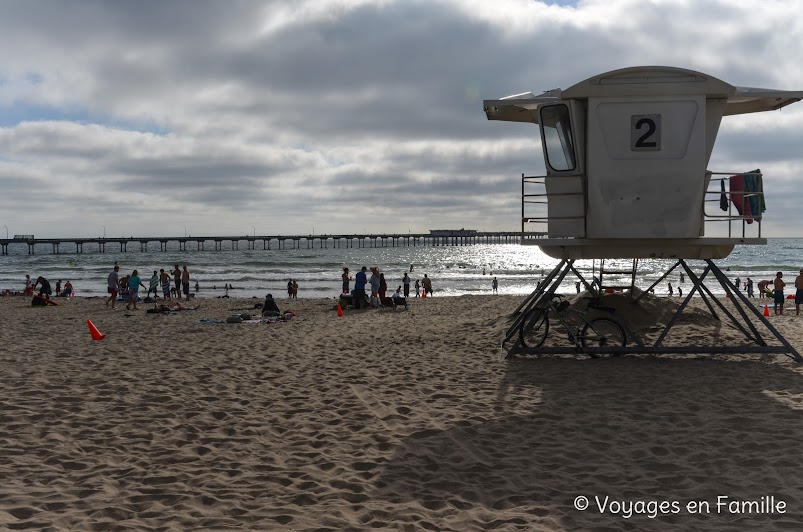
(737, 197)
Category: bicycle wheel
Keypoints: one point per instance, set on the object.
(534, 328)
(603, 332)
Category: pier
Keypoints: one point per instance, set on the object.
(218, 243)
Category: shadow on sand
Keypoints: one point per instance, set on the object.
(631, 429)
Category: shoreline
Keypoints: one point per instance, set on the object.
(379, 419)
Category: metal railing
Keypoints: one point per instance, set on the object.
(734, 196)
(542, 198)
(538, 201)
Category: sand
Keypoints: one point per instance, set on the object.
(403, 420)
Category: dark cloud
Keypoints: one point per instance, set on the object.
(285, 110)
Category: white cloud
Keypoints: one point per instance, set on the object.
(214, 114)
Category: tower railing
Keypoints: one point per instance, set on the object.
(535, 201)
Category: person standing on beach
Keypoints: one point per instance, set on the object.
(671, 292)
(495, 286)
(111, 283)
(134, 282)
(427, 282)
(374, 280)
(153, 285)
(164, 280)
(295, 289)
(777, 293)
(28, 288)
(798, 292)
(383, 286)
(58, 287)
(358, 296)
(346, 280)
(749, 285)
(289, 289)
(577, 286)
(177, 281)
(406, 284)
(185, 282)
(417, 288)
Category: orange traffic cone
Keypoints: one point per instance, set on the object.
(339, 311)
(766, 310)
(96, 334)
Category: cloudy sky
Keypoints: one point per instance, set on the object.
(339, 116)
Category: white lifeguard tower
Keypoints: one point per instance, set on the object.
(626, 155)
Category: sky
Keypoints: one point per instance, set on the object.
(229, 117)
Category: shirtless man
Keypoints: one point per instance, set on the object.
(164, 280)
(185, 282)
(778, 285)
(798, 292)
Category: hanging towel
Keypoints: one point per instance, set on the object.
(753, 185)
(723, 198)
(737, 197)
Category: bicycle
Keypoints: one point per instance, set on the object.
(603, 332)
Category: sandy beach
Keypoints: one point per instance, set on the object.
(381, 419)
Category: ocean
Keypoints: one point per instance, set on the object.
(454, 270)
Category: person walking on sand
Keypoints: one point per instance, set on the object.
(777, 293)
(185, 282)
(153, 285)
(417, 288)
(164, 280)
(406, 284)
(111, 286)
(798, 292)
(346, 280)
(495, 286)
(134, 282)
(427, 282)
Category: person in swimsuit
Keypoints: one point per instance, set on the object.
(778, 285)
(798, 292)
(164, 279)
(346, 279)
(112, 285)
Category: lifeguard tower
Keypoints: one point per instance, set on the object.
(626, 155)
